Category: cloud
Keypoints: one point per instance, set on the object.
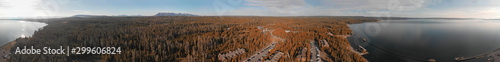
(461, 9)
(1, 4)
(334, 7)
(377, 8)
(279, 6)
(28, 8)
(390, 5)
(469, 12)
(82, 12)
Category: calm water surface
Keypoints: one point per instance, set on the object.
(12, 29)
(421, 39)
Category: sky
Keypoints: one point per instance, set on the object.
(376, 8)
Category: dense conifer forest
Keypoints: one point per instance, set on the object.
(192, 38)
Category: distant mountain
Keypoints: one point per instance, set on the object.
(85, 16)
(174, 14)
(491, 19)
(124, 15)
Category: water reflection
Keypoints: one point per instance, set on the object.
(421, 39)
(12, 29)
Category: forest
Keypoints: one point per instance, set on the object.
(192, 38)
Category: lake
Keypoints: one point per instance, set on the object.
(12, 29)
(422, 39)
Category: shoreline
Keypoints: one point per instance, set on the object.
(360, 50)
(5, 51)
